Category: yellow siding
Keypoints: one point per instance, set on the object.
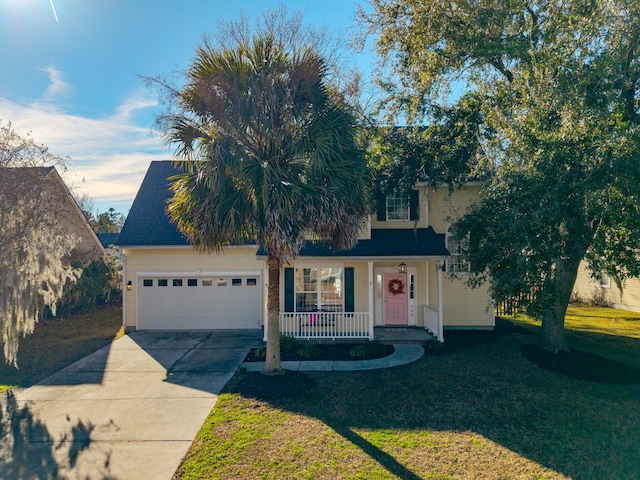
(588, 289)
(166, 260)
(445, 207)
(463, 307)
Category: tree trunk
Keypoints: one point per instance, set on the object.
(272, 364)
(553, 318)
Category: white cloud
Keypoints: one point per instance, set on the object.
(108, 156)
(58, 87)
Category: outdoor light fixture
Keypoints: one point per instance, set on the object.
(129, 286)
(402, 268)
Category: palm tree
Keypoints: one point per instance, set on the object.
(271, 155)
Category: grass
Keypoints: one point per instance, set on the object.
(611, 332)
(58, 342)
(474, 411)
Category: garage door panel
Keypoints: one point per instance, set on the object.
(212, 304)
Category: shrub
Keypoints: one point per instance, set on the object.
(359, 351)
(99, 284)
(260, 353)
(288, 344)
(309, 351)
(432, 346)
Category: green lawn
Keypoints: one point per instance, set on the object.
(58, 342)
(474, 412)
(610, 332)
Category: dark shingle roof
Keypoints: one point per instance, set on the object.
(148, 225)
(147, 222)
(383, 243)
(107, 239)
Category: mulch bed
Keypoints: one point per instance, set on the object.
(333, 351)
(582, 365)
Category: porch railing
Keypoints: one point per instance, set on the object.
(329, 325)
(432, 323)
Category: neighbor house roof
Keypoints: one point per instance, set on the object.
(148, 225)
(107, 238)
(67, 212)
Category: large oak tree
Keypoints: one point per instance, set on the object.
(560, 82)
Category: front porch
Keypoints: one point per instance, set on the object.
(328, 303)
(332, 326)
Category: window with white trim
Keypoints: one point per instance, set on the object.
(397, 207)
(319, 290)
(604, 280)
(457, 263)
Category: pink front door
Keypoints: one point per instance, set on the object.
(395, 299)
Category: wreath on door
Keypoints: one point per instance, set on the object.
(396, 287)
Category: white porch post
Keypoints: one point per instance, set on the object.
(371, 296)
(440, 266)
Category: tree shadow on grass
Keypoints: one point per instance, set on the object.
(29, 451)
(573, 427)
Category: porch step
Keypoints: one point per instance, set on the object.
(401, 335)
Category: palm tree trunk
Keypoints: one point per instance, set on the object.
(553, 319)
(272, 362)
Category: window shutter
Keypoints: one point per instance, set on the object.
(414, 206)
(289, 290)
(349, 297)
(381, 207)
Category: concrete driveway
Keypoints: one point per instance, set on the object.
(128, 411)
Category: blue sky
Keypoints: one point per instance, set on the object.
(72, 82)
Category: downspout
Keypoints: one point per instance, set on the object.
(440, 266)
(124, 291)
(371, 294)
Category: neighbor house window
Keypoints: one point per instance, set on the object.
(457, 263)
(605, 280)
(319, 289)
(397, 207)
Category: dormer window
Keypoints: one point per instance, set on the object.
(397, 207)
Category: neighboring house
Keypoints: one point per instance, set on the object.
(606, 290)
(397, 275)
(62, 207)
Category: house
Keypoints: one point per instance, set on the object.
(606, 290)
(398, 275)
(58, 203)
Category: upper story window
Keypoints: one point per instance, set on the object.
(457, 263)
(397, 207)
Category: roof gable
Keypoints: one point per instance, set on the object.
(147, 223)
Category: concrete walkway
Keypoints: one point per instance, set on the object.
(402, 355)
(128, 411)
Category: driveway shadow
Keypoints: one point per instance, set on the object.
(201, 360)
(29, 451)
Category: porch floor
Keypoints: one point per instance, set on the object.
(397, 335)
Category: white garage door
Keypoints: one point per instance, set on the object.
(176, 303)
